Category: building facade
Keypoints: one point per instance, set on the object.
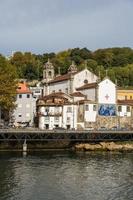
(25, 106)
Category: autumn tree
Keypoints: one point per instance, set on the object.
(8, 83)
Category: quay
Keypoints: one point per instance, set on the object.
(36, 135)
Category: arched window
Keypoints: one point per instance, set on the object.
(49, 73)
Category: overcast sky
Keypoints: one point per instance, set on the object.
(43, 26)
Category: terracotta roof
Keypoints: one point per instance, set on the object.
(125, 102)
(87, 86)
(124, 90)
(23, 89)
(85, 101)
(77, 94)
(62, 77)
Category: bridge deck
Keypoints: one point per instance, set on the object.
(39, 135)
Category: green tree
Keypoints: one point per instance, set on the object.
(8, 83)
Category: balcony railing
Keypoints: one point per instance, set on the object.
(50, 114)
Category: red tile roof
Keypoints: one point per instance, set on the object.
(87, 86)
(62, 77)
(23, 89)
(77, 94)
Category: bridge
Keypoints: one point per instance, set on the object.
(20, 135)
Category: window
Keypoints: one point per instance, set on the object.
(85, 81)
(69, 109)
(60, 90)
(49, 73)
(47, 110)
(128, 108)
(28, 95)
(19, 115)
(46, 119)
(27, 114)
(125, 97)
(94, 107)
(53, 91)
(56, 119)
(66, 90)
(86, 107)
(20, 96)
(119, 108)
(19, 105)
(130, 97)
(68, 119)
(56, 109)
(27, 105)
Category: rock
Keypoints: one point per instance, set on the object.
(107, 146)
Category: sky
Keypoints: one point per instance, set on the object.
(42, 26)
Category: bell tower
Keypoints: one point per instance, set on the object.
(72, 68)
(48, 72)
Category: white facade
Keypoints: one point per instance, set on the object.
(106, 92)
(82, 77)
(89, 93)
(25, 109)
(50, 117)
(90, 112)
(63, 116)
(69, 86)
(37, 91)
(70, 116)
(63, 86)
(124, 111)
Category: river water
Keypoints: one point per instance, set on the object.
(66, 176)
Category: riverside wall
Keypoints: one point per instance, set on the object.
(76, 140)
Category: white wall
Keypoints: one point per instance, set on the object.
(71, 115)
(48, 119)
(124, 112)
(26, 108)
(106, 92)
(90, 115)
(77, 82)
(90, 93)
(59, 86)
(83, 75)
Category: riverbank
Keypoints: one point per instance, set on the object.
(67, 145)
(105, 146)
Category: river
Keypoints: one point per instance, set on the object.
(66, 175)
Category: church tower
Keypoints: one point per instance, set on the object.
(48, 75)
(48, 72)
(72, 68)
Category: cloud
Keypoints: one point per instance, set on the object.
(53, 25)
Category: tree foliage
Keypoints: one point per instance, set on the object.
(117, 61)
(8, 82)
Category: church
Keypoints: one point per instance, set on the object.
(80, 100)
(67, 83)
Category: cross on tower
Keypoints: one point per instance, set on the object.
(107, 96)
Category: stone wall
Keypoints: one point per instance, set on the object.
(110, 122)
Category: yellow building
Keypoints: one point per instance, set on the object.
(125, 94)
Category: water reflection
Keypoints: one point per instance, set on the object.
(66, 175)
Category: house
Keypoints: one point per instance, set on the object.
(57, 110)
(87, 114)
(25, 106)
(124, 94)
